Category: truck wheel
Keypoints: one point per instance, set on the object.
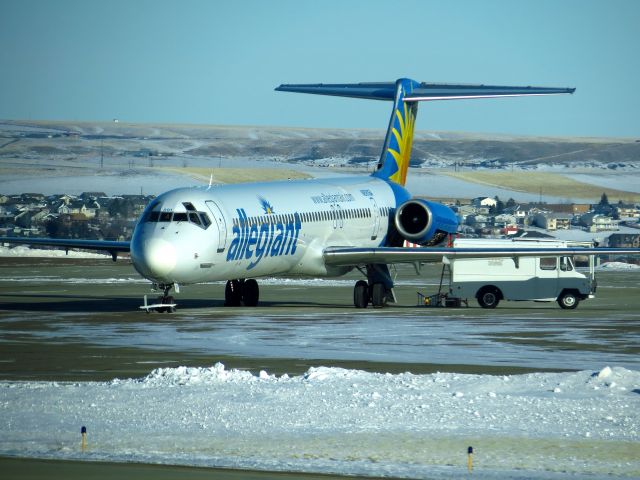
(568, 300)
(488, 297)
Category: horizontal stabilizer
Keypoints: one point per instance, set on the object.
(371, 91)
(424, 91)
(435, 91)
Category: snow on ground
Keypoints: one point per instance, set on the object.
(333, 420)
(151, 183)
(627, 181)
(23, 251)
(618, 266)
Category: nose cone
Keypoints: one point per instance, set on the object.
(154, 258)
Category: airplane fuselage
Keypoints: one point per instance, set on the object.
(192, 235)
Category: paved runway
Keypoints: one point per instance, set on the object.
(84, 313)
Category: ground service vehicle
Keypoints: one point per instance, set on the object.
(542, 279)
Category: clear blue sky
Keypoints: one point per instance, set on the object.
(217, 62)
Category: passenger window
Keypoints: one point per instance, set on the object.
(179, 217)
(165, 217)
(548, 263)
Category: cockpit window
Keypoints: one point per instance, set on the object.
(194, 218)
(205, 220)
(201, 219)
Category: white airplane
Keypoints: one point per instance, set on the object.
(310, 228)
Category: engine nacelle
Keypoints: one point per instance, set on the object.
(424, 222)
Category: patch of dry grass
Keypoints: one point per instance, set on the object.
(549, 183)
(241, 175)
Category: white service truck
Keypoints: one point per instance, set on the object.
(541, 279)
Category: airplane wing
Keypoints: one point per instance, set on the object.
(349, 256)
(100, 245)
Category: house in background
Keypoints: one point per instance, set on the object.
(552, 221)
(486, 202)
(595, 222)
(624, 240)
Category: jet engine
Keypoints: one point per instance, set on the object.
(425, 223)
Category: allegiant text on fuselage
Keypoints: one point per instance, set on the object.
(254, 241)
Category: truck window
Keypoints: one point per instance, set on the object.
(566, 265)
(548, 263)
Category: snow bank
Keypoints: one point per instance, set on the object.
(75, 280)
(618, 266)
(333, 420)
(22, 251)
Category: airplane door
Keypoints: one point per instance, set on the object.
(375, 215)
(220, 222)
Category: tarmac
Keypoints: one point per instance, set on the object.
(78, 320)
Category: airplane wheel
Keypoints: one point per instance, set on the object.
(170, 299)
(378, 295)
(568, 300)
(232, 294)
(160, 309)
(250, 293)
(361, 294)
(488, 297)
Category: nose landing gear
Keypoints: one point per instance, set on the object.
(164, 304)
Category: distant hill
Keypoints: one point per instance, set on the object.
(310, 146)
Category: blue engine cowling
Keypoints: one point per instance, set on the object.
(424, 222)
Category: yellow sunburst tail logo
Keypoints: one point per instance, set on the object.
(396, 153)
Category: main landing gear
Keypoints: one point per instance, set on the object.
(377, 290)
(239, 292)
